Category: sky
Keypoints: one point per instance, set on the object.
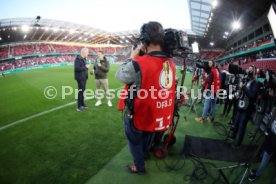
(108, 15)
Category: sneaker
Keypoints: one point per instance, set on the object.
(80, 109)
(211, 120)
(252, 177)
(252, 171)
(84, 106)
(109, 104)
(199, 120)
(98, 103)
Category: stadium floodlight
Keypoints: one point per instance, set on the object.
(195, 47)
(212, 44)
(127, 41)
(9, 36)
(236, 25)
(224, 36)
(4, 29)
(25, 36)
(72, 31)
(214, 4)
(80, 38)
(85, 39)
(86, 33)
(46, 28)
(121, 41)
(65, 37)
(0, 38)
(226, 33)
(25, 28)
(55, 29)
(92, 34)
(14, 28)
(123, 37)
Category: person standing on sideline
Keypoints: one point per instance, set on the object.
(211, 85)
(100, 69)
(153, 70)
(81, 75)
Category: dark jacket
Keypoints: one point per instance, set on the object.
(81, 72)
(101, 71)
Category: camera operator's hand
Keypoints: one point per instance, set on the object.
(241, 85)
(87, 65)
(135, 52)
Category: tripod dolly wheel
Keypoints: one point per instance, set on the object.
(160, 152)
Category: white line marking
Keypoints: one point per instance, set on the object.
(40, 114)
(35, 115)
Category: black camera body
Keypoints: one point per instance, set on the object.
(236, 69)
(176, 43)
(203, 65)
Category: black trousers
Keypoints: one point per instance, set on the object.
(81, 87)
(240, 122)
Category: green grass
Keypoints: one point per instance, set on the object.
(66, 146)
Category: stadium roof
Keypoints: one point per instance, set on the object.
(46, 30)
(221, 18)
(209, 24)
(20, 30)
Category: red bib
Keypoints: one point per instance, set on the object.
(216, 80)
(154, 112)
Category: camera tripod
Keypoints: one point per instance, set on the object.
(245, 164)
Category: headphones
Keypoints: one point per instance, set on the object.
(144, 36)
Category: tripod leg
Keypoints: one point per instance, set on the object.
(224, 177)
(244, 174)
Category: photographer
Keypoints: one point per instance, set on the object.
(232, 84)
(246, 98)
(212, 84)
(146, 115)
(266, 101)
(269, 148)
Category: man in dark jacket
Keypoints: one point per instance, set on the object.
(81, 75)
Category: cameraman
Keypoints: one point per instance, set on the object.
(269, 148)
(231, 85)
(212, 84)
(246, 98)
(144, 115)
(265, 103)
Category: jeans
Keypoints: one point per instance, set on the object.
(137, 142)
(81, 87)
(209, 103)
(240, 122)
(264, 162)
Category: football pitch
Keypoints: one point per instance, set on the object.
(47, 141)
